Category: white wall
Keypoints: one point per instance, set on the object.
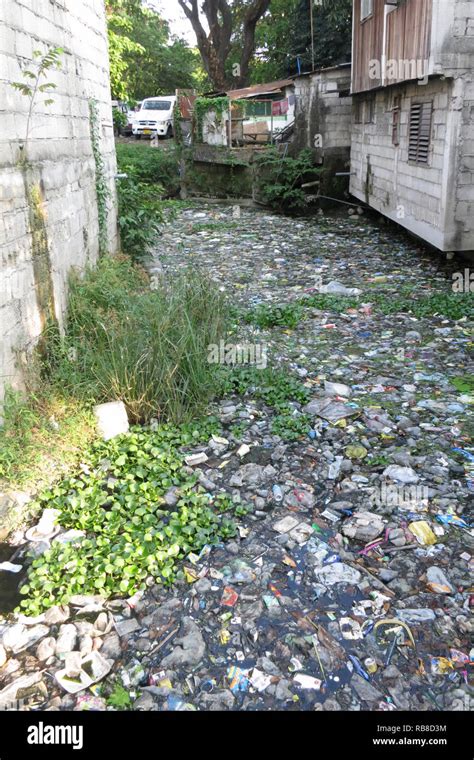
(214, 129)
(61, 163)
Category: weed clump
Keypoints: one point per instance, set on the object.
(146, 346)
(130, 537)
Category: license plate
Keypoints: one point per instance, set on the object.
(147, 131)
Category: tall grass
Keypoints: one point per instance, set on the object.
(40, 436)
(146, 347)
(150, 165)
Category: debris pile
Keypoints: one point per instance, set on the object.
(349, 585)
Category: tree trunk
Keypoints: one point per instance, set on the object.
(215, 46)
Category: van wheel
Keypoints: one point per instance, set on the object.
(138, 137)
(169, 132)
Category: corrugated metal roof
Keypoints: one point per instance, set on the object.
(267, 88)
(322, 70)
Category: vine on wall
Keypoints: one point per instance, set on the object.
(202, 106)
(177, 131)
(101, 187)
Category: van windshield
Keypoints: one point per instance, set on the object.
(157, 105)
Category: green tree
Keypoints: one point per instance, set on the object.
(275, 42)
(332, 22)
(163, 64)
(145, 60)
(284, 35)
(119, 28)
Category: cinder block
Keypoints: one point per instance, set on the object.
(59, 144)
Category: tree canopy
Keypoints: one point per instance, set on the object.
(145, 59)
(239, 42)
(284, 37)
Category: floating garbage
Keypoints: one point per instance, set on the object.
(337, 288)
(88, 671)
(307, 682)
(46, 528)
(422, 532)
(344, 580)
(238, 680)
(9, 567)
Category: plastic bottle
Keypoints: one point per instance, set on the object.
(277, 493)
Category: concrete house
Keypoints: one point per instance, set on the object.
(412, 148)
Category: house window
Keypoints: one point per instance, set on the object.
(419, 134)
(369, 114)
(358, 111)
(396, 121)
(366, 8)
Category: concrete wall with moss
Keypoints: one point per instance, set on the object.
(323, 115)
(219, 172)
(49, 217)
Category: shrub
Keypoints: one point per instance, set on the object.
(145, 346)
(275, 315)
(274, 387)
(152, 175)
(451, 305)
(140, 214)
(290, 426)
(153, 166)
(120, 120)
(280, 179)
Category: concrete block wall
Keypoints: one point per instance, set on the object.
(60, 165)
(463, 34)
(320, 110)
(464, 195)
(452, 36)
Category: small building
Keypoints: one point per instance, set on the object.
(268, 111)
(258, 114)
(323, 115)
(412, 151)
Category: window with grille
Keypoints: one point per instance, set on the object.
(369, 111)
(366, 8)
(396, 121)
(419, 135)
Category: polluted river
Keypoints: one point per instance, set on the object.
(348, 582)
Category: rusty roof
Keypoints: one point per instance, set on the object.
(267, 88)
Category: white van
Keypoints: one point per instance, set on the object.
(155, 117)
